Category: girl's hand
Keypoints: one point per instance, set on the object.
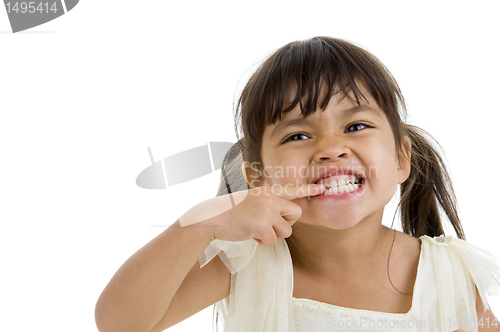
(264, 213)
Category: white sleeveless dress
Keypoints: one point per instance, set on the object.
(444, 296)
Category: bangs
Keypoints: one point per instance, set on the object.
(301, 72)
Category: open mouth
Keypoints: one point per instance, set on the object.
(339, 184)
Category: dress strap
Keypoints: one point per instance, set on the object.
(235, 255)
(258, 299)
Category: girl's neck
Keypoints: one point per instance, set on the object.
(325, 252)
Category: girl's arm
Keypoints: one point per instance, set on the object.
(486, 319)
(162, 283)
(152, 290)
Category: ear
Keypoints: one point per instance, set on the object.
(404, 160)
(252, 175)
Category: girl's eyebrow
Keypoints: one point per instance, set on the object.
(362, 108)
(307, 121)
(290, 123)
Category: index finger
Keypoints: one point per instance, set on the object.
(291, 191)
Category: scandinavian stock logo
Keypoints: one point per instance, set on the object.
(184, 166)
(25, 15)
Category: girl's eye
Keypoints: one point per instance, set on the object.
(290, 138)
(357, 126)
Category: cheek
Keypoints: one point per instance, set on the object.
(290, 169)
(382, 166)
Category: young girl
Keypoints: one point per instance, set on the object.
(324, 149)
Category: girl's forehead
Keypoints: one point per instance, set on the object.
(338, 103)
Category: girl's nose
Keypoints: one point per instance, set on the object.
(331, 147)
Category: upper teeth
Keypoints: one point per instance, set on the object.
(339, 180)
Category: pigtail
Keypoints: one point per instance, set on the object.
(232, 179)
(427, 184)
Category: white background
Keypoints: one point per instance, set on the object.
(83, 96)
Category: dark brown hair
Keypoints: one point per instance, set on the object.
(296, 74)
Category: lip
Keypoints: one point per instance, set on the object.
(339, 170)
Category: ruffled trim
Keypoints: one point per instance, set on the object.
(482, 266)
(259, 294)
(235, 255)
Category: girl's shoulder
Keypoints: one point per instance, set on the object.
(409, 247)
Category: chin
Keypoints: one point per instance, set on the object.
(347, 218)
(339, 222)
(343, 225)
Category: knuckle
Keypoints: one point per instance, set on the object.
(273, 241)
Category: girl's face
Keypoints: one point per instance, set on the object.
(355, 138)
